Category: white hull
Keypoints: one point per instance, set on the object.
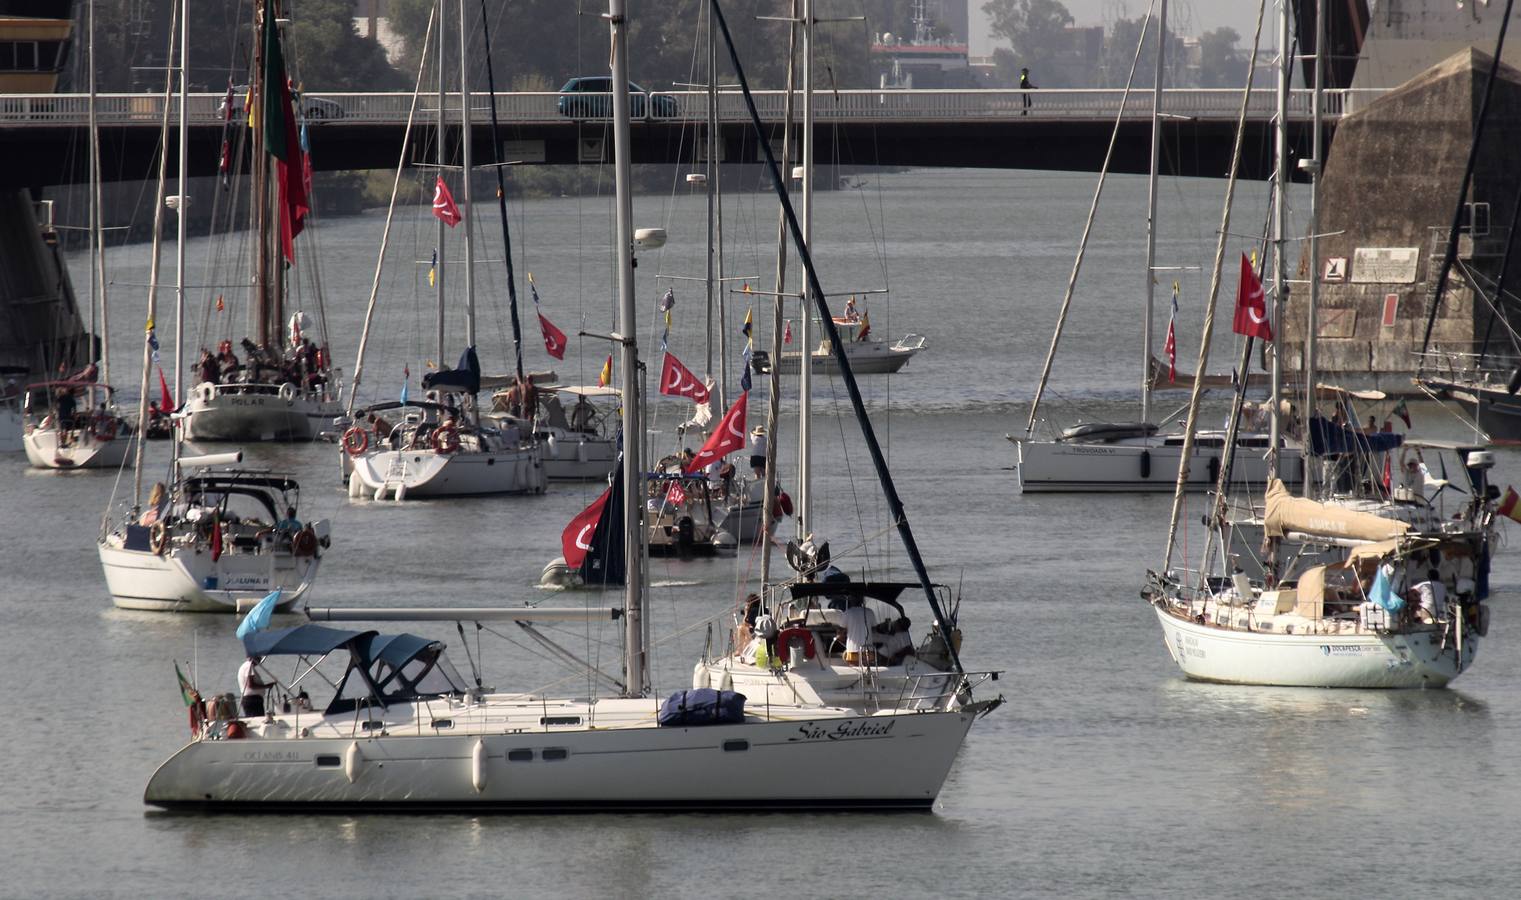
(185, 579)
(1364, 660)
(216, 415)
(567, 458)
(1096, 467)
(424, 473)
(866, 357)
(811, 759)
(864, 689)
(743, 522)
(84, 450)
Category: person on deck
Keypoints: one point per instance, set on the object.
(227, 361)
(252, 687)
(858, 623)
(758, 451)
(289, 525)
(1025, 84)
(895, 645)
(1430, 597)
(158, 504)
(207, 366)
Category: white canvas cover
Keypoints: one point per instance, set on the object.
(1287, 513)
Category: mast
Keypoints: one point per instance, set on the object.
(97, 251)
(635, 675)
(181, 210)
(1151, 211)
(1280, 222)
(716, 202)
(464, 123)
(501, 200)
(805, 326)
(259, 190)
(1311, 337)
(443, 27)
(711, 170)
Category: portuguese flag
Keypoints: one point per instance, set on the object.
(280, 138)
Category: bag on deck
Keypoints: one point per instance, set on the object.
(702, 706)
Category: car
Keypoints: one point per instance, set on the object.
(590, 97)
(313, 109)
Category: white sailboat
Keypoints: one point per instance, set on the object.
(440, 446)
(404, 731)
(214, 538)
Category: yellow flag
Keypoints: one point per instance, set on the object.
(605, 377)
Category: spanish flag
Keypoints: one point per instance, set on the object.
(1509, 505)
(605, 377)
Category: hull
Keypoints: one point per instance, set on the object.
(866, 358)
(1229, 656)
(1498, 413)
(240, 416)
(83, 451)
(424, 473)
(826, 761)
(744, 522)
(1049, 466)
(568, 459)
(186, 580)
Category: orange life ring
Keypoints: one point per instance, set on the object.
(304, 542)
(446, 440)
(356, 440)
(158, 538)
(104, 429)
(790, 634)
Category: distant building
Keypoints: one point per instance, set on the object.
(32, 53)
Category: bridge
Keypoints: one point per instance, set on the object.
(43, 136)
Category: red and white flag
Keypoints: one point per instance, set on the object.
(1251, 305)
(554, 338)
(1171, 347)
(676, 380)
(725, 439)
(787, 332)
(576, 539)
(676, 496)
(444, 208)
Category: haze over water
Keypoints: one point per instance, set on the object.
(1105, 774)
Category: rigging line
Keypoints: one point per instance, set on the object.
(1082, 247)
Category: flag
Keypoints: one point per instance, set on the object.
(1388, 475)
(676, 380)
(576, 539)
(279, 121)
(406, 380)
(248, 107)
(444, 208)
(667, 300)
(186, 688)
(787, 332)
(153, 343)
(1251, 305)
(1508, 505)
(258, 617)
(605, 377)
(676, 496)
(1171, 347)
(216, 539)
(1382, 591)
(725, 439)
(865, 326)
(749, 322)
(433, 268)
(221, 304)
(554, 340)
(165, 399)
(744, 367)
(1403, 411)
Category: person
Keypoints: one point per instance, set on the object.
(1025, 85)
(896, 645)
(852, 314)
(583, 416)
(858, 624)
(1431, 597)
(745, 630)
(289, 525)
(227, 361)
(207, 367)
(158, 504)
(65, 406)
(726, 479)
(758, 451)
(252, 687)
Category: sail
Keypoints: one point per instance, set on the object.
(1287, 513)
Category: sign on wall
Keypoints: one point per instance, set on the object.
(1385, 265)
(1391, 309)
(1336, 270)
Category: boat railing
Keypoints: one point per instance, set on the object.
(1457, 365)
(938, 690)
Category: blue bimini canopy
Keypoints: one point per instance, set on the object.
(303, 640)
(1328, 439)
(395, 650)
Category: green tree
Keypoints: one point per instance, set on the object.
(1221, 63)
(1036, 31)
(329, 54)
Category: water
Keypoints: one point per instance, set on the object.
(1106, 774)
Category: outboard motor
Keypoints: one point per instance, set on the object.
(686, 535)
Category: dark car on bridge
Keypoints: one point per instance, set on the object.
(591, 97)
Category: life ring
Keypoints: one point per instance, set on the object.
(288, 392)
(158, 538)
(446, 440)
(304, 542)
(356, 440)
(790, 634)
(104, 429)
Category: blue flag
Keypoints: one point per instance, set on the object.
(406, 379)
(1383, 593)
(258, 617)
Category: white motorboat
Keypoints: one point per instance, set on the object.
(57, 438)
(1137, 458)
(435, 451)
(868, 355)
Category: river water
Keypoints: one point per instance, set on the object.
(1105, 774)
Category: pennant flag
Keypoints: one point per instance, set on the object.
(248, 107)
(676, 380)
(787, 332)
(676, 496)
(1171, 347)
(1509, 505)
(1251, 305)
(258, 617)
(406, 380)
(1382, 591)
(749, 322)
(433, 268)
(605, 377)
(280, 141)
(576, 539)
(865, 326)
(725, 439)
(1403, 411)
(444, 208)
(186, 688)
(165, 399)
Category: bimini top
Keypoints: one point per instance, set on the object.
(885, 591)
(302, 640)
(396, 650)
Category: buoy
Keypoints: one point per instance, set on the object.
(288, 393)
(352, 760)
(478, 766)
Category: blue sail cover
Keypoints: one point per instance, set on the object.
(604, 565)
(466, 379)
(1327, 438)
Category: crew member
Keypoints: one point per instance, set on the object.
(252, 686)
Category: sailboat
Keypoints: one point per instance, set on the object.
(216, 537)
(441, 445)
(404, 731)
(1350, 592)
(1138, 456)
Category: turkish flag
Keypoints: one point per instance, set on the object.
(726, 438)
(676, 380)
(576, 539)
(676, 496)
(554, 338)
(165, 399)
(1172, 354)
(1251, 305)
(444, 208)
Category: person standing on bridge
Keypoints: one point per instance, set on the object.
(1025, 85)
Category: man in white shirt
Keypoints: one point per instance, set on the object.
(252, 687)
(858, 622)
(896, 645)
(1431, 597)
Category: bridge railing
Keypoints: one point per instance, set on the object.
(830, 106)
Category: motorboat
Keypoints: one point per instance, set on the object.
(868, 355)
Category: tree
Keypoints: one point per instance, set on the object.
(1035, 29)
(329, 53)
(1220, 61)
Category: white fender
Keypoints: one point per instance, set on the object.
(380, 492)
(356, 486)
(581, 452)
(478, 766)
(701, 679)
(352, 760)
(727, 682)
(401, 492)
(288, 393)
(554, 446)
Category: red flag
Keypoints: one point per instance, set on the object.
(216, 539)
(1508, 504)
(1172, 354)
(1251, 306)
(1388, 475)
(444, 208)
(554, 338)
(676, 380)
(576, 539)
(787, 333)
(166, 399)
(726, 438)
(676, 496)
